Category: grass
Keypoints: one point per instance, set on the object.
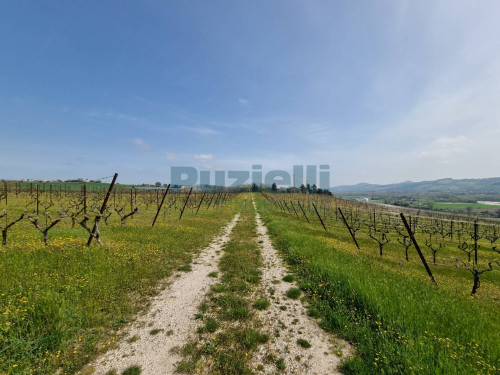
(133, 370)
(211, 325)
(288, 278)
(63, 303)
(303, 343)
(399, 322)
(261, 304)
(133, 339)
(280, 364)
(293, 293)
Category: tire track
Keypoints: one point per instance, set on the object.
(287, 321)
(155, 339)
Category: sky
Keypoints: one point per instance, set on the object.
(381, 91)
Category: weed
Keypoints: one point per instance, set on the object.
(261, 304)
(211, 325)
(304, 343)
(133, 339)
(133, 370)
(280, 364)
(293, 293)
(155, 331)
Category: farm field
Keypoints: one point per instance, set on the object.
(65, 305)
(459, 205)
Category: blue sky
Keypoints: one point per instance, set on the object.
(382, 91)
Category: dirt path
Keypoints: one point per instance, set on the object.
(292, 324)
(153, 342)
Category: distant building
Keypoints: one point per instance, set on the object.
(365, 200)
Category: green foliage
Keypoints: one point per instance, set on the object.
(261, 304)
(280, 364)
(211, 325)
(293, 293)
(304, 343)
(133, 370)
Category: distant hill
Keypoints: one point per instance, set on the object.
(465, 186)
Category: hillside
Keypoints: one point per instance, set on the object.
(464, 186)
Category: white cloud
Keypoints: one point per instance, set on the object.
(170, 155)
(204, 157)
(200, 130)
(243, 101)
(141, 144)
(445, 149)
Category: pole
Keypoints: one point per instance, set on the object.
(418, 248)
(103, 207)
(348, 227)
(185, 203)
(161, 204)
(319, 217)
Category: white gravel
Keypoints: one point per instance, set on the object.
(172, 312)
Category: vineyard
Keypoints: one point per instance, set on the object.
(360, 265)
(65, 287)
(446, 241)
(410, 291)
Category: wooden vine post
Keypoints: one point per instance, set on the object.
(418, 248)
(201, 201)
(85, 198)
(294, 210)
(348, 227)
(103, 207)
(161, 204)
(303, 211)
(185, 203)
(319, 217)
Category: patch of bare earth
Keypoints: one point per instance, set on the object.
(153, 342)
(285, 327)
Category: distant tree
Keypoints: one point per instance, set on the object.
(303, 189)
(255, 188)
(314, 189)
(320, 191)
(158, 184)
(274, 187)
(308, 187)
